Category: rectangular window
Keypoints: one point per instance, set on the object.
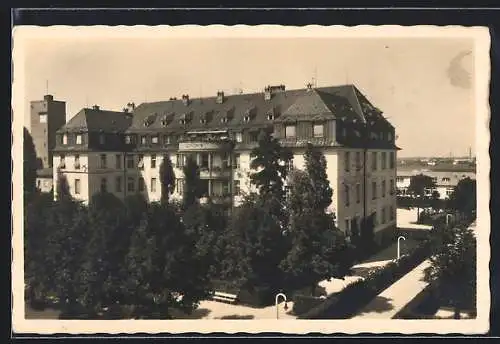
(153, 160)
(290, 131)
(383, 158)
(346, 195)
(104, 184)
(289, 164)
(144, 140)
(141, 184)
(374, 190)
(130, 161)
(383, 188)
(130, 184)
(204, 160)
(181, 159)
(237, 187)
(104, 162)
(226, 188)
(102, 139)
(118, 161)
(237, 160)
(392, 160)
(391, 213)
(391, 191)
(77, 162)
(374, 161)
(154, 139)
(140, 163)
(347, 225)
(318, 130)
(358, 161)
(65, 139)
(375, 218)
(180, 186)
(383, 216)
(226, 161)
(77, 186)
(118, 184)
(153, 184)
(128, 139)
(78, 139)
(347, 161)
(358, 193)
(62, 162)
(239, 137)
(253, 136)
(43, 118)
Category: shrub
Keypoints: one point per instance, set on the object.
(356, 295)
(303, 303)
(256, 296)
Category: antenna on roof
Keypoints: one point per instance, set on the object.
(47, 86)
(315, 80)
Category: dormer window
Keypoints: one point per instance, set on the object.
(150, 120)
(154, 139)
(166, 119)
(185, 118)
(246, 118)
(223, 119)
(144, 140)
(65, 139)
(128, 139)
(389, 136)
(248, 115)
(270, 117)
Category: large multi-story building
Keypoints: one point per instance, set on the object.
(220, 133)
(46, 116)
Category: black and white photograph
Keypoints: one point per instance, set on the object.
(181, 178)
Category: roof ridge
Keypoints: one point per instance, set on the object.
(355, 91)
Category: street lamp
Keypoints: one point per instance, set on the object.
(276, 303)
(399, 238)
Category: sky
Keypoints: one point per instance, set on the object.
(424, 86)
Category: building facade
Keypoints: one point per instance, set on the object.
(445, 178)
(220, 133)
(46, 116)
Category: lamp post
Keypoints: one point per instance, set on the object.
(276, 303)
(399, 238)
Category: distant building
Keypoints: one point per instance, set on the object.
(446, 177)
(46, 116)
(121, 152)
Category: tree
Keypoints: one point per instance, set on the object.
(104, 252)
(463, 198)
(37, 231)
(316, 169)
(192, 185)
(315, 241)
(62, 188)
(163, 269)
(453, 267)
(30, 164)
(254, 247)
(167, 178)
(418, 184)
(435, 200)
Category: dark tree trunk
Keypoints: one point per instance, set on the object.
(456, 313)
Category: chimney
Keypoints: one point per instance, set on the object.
(185, 99)
(95, 107)
(48, 97)
(309, 86)
(220, 97)
(267, 93)
(131, 107)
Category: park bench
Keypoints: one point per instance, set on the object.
(224, 297)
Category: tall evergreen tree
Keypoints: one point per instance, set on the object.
(30, 164)
(315, 242)
(316, 169)
(167, 178)
(192, 187)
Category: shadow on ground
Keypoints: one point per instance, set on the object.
(236, 316)
(378, 305)
(391, 252)
(198, 313)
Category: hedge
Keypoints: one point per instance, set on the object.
(351, 299)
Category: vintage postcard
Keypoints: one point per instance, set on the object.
(181, 179)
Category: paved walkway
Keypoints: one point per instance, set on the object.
(388, 303)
